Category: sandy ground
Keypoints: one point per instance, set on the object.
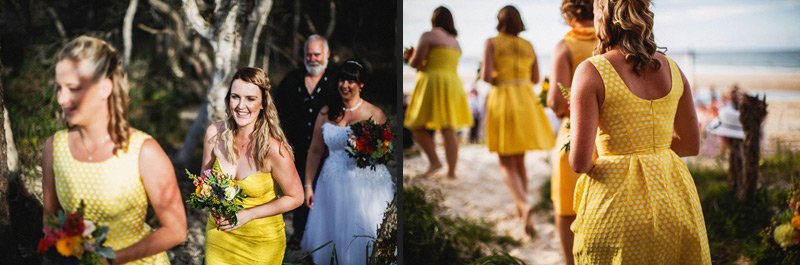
(479, 192)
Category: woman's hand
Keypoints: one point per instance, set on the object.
(309, 197)
(226, 225)
(407, 53)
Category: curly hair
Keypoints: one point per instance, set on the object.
(577, 9)
(267, 123)
(107, 64)
(628, 26)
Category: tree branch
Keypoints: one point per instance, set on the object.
(198, 23)
(332, 22)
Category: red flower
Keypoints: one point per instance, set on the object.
(74, 225)
(387, 134)
(44, 244)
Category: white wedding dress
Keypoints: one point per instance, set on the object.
(348, 203)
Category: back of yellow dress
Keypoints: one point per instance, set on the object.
(260, 241)
(112, 190)
(439, 100)
(580, 42)
(515, 119)
(639, 204)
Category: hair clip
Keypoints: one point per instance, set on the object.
(356, 63)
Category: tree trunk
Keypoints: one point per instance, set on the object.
(127, 27)
(5, 214)
(225, 36)
(295, 28)
(753, 112)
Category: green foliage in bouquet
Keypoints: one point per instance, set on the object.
(216, 191)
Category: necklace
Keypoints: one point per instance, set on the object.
(97, 146)
(354, 107)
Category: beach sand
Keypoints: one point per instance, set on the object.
(479, 192)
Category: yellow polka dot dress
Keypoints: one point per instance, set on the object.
(639, 204)
(112, 191)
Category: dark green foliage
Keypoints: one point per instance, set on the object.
(545, 204)
(738, 231)
(433, 238)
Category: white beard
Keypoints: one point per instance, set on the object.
(316, 69)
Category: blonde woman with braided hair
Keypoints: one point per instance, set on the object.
(115, 169)
(636, 202)
(251, 146)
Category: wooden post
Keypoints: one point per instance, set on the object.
(753, 112)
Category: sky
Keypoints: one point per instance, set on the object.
(680, 25)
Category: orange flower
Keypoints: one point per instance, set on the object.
(796, 222)
(66, 245)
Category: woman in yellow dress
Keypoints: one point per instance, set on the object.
(116, 170)
(576, 46)
(251, 146)
(439, 101)
(636, 202)
(515, 119)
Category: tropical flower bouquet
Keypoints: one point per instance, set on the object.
(565, 93)
(370, 144)
(217, 192)
(787, 232)
(72, 239)
(545, 90)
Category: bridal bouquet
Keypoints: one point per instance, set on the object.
(216, 191)
(72, 239)
(370, 144)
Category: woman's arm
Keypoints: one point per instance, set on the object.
(285, 175)
(50, 198)
(534, 68)
(686, 138)
(209, 141)
(315, 151)
(585, 103)
(488, 62)
(421, 52)
(160, 183)
(561, 75)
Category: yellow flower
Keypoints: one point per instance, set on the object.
(785, 235)
(65, 246)
(796, 222)
(198, 189)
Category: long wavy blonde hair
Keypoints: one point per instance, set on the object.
(628, 26)
(267, 123)
(107, 63)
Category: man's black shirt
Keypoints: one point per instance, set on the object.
(298, 110)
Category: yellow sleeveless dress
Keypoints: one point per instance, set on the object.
(580, 42)
(639, 204)
(515, 119)
(260, 241)
(112, 190)
(439, 100)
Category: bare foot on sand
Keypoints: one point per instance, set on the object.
(433, 169)
(530, 230)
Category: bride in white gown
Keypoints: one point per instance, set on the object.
(348, 203)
